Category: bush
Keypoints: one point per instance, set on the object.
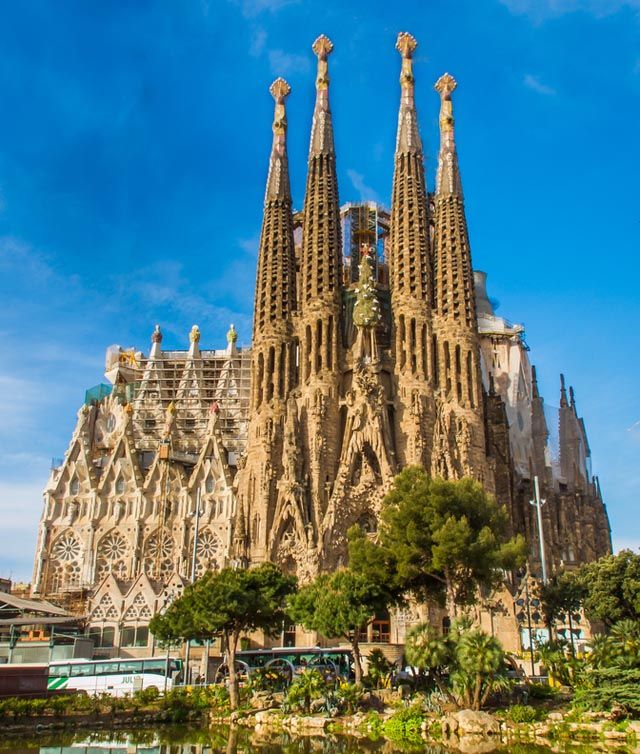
(307, 687)
(609, 687)
(148, 695)
(524, 713)
(405, 724)
(348, 696)
(541, 691)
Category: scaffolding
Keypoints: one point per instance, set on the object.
(363, 223)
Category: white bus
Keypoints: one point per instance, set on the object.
(116, 677)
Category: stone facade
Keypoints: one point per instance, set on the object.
(361, 363)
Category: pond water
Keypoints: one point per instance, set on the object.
(222, 740)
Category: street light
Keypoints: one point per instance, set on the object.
(527, 602)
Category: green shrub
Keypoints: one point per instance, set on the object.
(604, 688)
(307, 687)
(405, 724)
(147, 696)
(524, 713)
(541, 691)
(348, 696)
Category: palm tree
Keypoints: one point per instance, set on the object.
(430, 652)
(480, 659)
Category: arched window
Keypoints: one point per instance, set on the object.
(119, 485)
(74, 485)
(209, 484)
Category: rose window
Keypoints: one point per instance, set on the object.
(113, 547)
(160, 547)
(66, 549)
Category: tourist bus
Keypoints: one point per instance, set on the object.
(116, 677)
(334, 662)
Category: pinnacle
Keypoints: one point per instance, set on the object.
(406, 44)
(445, 85)
(322, 47)
(280, 89)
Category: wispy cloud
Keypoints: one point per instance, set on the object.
(626, 543)
(258, 41)
(366, 192)
(534, 83)
(541, 10)
(252, 8)
(285, 63)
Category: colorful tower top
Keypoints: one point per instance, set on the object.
(408, 139)
(448, 175)
(278, 180)
(322, 128)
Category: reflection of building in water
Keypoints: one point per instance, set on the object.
(373, 348)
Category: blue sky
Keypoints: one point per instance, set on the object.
(134, 141)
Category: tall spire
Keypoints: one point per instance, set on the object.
(322, 127)
(448, 175)
(409, 258)
(321, 245)
(275, 285)
(278, 180)
(408, 137)
(454, 297)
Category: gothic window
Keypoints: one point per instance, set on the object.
(209, 484)
(119, 485)
(158, 556)
(208, 551)
(270, 370)
(134, 636)
(470, 380)
(111, 556)
(138, 610)
(111, 422)
(260, 379)
(105, 610)
(74, 485)
(65, 562)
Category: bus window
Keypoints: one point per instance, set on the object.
(82, 670)
(156, 666)
(135, 666)
(59, 671)
(106, 668)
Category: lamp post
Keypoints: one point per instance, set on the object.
(537, 502)
(527, 602)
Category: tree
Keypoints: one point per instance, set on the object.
(563, 594)
(340, 604)
(446, 538)
(467, 664)
(612, 586)
(228, 603)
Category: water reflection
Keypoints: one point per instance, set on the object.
(222, 740)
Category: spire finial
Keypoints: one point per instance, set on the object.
(563, 393)
(445, 86)
(194, 334)
(278, 179)
(280, 90)
(321, 127)
(232, 334)
(322, 47)
(406, 45)
(156, 337)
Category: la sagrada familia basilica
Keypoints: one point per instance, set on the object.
(375, 346)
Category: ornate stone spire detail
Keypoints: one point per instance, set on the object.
(448, 175)
(275, 289)
(278, 180)
(321, 243)
(409, 242)
(156, 341)
(408, 138)
(563, 393)
(453, 273)
(322, 127)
